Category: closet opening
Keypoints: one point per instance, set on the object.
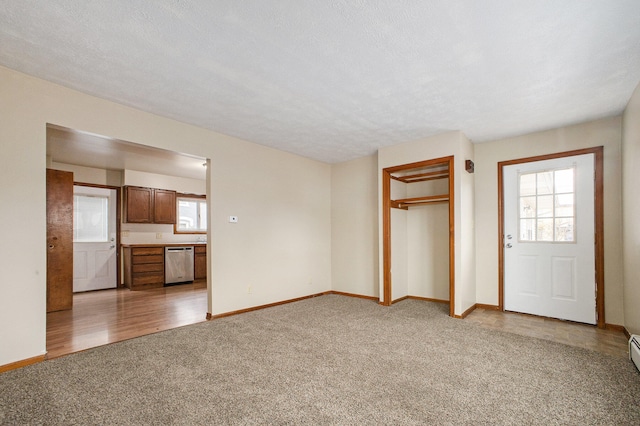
(418, 232)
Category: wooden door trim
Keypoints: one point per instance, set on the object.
(386, 232)
(598, 224)
(452, 241)
(386, 225)
(118, 189)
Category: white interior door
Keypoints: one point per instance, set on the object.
(549, 247)
(94, 238)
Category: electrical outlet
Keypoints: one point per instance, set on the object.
(158, 235)
(125, 233)
(249, 289)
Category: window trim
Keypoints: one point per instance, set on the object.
(179, 196)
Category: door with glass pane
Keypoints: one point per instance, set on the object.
(94, 238)
(549, 251)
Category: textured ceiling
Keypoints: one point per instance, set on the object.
(335, 80)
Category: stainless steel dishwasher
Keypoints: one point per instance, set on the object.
(178, 264)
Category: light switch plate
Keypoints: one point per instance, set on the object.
(233, 219)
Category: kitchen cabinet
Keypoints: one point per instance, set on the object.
(200, 261)
(149, 205)
(143, 267)
(144, 264)
(164, 206)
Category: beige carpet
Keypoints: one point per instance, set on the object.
(327, 360)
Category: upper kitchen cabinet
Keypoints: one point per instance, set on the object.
(164, 210)
(138, 204)
(149, 205)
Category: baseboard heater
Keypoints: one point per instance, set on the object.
(634, 350)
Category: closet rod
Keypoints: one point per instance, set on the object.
(443, 197)
(423, 203)
(417, 201)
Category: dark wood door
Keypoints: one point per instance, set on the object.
(165, 206)
(138, 204)
(59, 240)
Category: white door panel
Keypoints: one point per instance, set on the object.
(94, 254)
(549, 251)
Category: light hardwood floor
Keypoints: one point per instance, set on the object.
(108, 316)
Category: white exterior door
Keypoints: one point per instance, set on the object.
(94, 238)
(549, 246)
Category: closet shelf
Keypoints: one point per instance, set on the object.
(421, 177)
(405, 203)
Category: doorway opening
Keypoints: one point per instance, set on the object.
(550, 219)
(418, 232)
(106, 315)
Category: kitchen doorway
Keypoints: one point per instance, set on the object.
(109, 315)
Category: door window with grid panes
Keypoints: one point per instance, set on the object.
(547, 206)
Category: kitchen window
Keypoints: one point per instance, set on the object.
(191, 214)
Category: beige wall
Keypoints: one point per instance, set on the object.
(630, 209)
(354, 226)
(605, 132)
(281, 245)
(428, 242)
(466, 286)
(428, 251)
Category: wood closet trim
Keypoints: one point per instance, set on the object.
(118, 189)
(598, 153)
(386, 220)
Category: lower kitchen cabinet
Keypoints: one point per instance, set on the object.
(200, 271)
(143, 267)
